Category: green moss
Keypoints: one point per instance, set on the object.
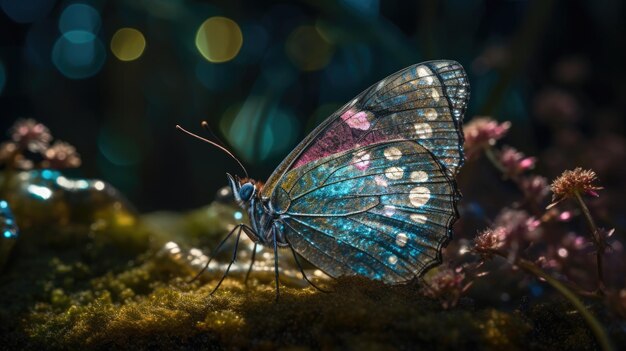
(359, 312)
(92, 292)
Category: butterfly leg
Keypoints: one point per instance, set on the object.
(295, 257)
(251, 264)
(276, 263)
(231, 261)
(215, 251)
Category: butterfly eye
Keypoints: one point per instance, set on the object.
(246, 192)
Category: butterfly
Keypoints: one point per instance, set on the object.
(371, 191)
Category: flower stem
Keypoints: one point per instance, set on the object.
(597, 240)
(592, 321)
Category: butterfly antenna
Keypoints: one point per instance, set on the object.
(207, 127)
(216, 145)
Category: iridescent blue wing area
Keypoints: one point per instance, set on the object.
(371, 191)
(382, 211)
(424, 103)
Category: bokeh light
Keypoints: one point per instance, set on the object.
(118, 149)
(219, 39)
(26, 11)
(307, 49)
(279, 134)
(3, 77)
(79, 17)
(260, 130)
(128, 44)
(78, 54)
(367, 8)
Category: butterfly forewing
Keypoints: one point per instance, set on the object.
(371, 190)
(381, 211)
(424, 102)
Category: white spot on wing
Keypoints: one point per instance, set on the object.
(380, 85)
(380, 181)
(394, 173)
(435, 95)
(362, 160)
(419, 176)
(401, 239)
(392, 259)
(431, 114)
(418, 218)
(419, 196)
(423, 130)
(389, 210)
(426, 76)
(392, 153)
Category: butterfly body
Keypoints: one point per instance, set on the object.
(371, 190)
(264, 220)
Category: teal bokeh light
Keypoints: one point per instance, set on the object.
(117, 148)
(279, 134)
(365, 8)
(261, 130)
(78, 54)
(79, 17)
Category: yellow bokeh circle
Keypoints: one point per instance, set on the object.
(128, 44)
(307, 49)
(219, 39)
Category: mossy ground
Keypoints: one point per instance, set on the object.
(90, 294)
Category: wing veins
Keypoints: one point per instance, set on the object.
(353, 247)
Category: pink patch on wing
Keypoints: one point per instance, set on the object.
(340, 136)
(362, 161)
(356, 120)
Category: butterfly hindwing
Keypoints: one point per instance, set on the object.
(381, 210)
(424, 102)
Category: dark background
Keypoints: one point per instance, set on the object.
(552, 68)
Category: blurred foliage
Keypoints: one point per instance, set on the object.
(536, 63)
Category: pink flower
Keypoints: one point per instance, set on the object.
(489, 241)
(11, 156)
(30, 135)
(573, 183)
(61, 155)
(535, 188)
(519, 226)
(515, 162)
(447, 285)
(482, 132)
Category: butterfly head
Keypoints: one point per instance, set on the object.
(244, 190)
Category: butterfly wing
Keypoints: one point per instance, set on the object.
(371, 190)
(382, 211)
(424, 102)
